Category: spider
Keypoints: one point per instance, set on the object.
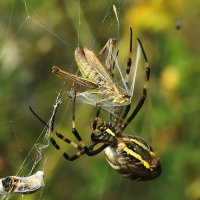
(130, 155)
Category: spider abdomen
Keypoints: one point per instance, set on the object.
(133, 158)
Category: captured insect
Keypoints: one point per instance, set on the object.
(24, 185)
(130, 155)
(98, 76)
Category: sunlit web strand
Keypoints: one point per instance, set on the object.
(46, 27)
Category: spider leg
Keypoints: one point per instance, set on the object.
(90, 152)
(83, 149)
(125, 112)
(71, 143)
(126, 109)
(54, 133)
(129, 62)
(135, 111)
(74, 130)
(143, 98)
(94, 123)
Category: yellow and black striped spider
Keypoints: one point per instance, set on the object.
(130, 155)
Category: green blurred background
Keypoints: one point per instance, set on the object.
(35, 35)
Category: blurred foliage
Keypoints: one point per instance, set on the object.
(35, 35)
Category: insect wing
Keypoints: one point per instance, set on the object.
(94, 99)
(98, 66)
(118, 75)
(84, 97)
(104, 72)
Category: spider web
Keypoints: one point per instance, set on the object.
(32, 20)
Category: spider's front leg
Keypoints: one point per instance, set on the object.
(144, 92)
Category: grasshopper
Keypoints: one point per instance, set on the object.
(98, 77)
